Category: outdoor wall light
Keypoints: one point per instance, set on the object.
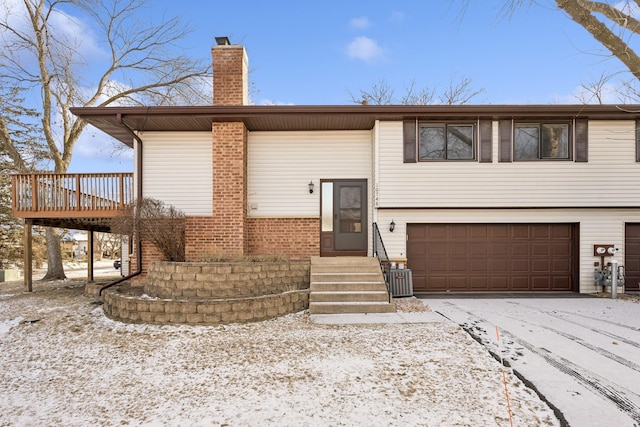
(392, 226)
(311, 187)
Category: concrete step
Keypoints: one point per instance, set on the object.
(349, 296)
(347, 286)
(342, 261)
(368, 269)
(346, 277)
(350, 307)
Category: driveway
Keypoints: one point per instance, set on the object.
(581, 354)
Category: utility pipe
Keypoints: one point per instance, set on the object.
(138, 174)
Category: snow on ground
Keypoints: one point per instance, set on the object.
(64, 363)
(582, 354)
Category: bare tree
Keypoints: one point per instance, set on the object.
(44, 46)
(613, 23)
(381, 93)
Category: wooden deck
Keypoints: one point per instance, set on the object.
(80, 201)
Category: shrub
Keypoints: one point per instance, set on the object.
(156, 222)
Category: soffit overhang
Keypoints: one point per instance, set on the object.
(118, 122)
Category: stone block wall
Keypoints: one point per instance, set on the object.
(136, 308)
(225, 279)
(211, 293)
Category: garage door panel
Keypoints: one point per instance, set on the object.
(499, 231)
(561, 249)
(561, 283)
(437, 232)
(632, 256)
(520, 232)
(479, 249)
(457, 265)
(499, 265)
(493, 257)
(540, 249)
(500, 249)
(559, 265)
(479, 233)
(562, 231)
(541, 283)
(520, 265)
(540, 265)
(458, 283)
(520, 283)
(520, 249)
(458, 249)
(478, 266)
(458, 233)
(541, 232)
(479, 283)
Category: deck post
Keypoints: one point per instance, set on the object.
(28, 257)
(90, 256)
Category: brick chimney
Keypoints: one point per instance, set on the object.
(226, 230)
(230, 73)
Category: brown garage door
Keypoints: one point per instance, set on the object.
(632, 257)
(492, 257)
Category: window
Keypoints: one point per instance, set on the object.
(536, 141)
(446, 142)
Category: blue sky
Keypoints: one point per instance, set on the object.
(308, 53)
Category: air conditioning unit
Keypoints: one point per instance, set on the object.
(400, 282)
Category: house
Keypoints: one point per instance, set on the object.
(473, 198)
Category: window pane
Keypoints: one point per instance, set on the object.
(460, 142)
(555, 141)
(327, 206)
(350, 212)
(526, 142)
(432, 142)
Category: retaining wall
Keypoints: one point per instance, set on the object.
(211, 293)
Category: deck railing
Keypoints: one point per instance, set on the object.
(37, 195)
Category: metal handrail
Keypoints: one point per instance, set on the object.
(380, 252)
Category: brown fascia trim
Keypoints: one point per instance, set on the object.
(355, 117)
(595, 111)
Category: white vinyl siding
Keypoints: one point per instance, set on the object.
(281, 165)
(596, 226)
(609, 178)
(177, 169)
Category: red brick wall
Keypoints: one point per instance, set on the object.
(228, 75)
(292, 237)
(149, 253)
(227, 231)
(200, 239)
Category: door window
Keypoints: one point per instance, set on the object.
(350, 209)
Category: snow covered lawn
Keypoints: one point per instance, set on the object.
(582, 354)
(64, 363)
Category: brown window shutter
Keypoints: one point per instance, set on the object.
(505, 132)
(582, 140)
(637, 140)
(410, 131)
(486, 143)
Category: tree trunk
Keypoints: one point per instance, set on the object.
(55, 270)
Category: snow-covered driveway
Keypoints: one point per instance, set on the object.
(582, 354)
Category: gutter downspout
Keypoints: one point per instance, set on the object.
(138, 241)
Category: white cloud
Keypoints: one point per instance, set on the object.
(72, 30)
(365, 49)
(360, 23)
(272, 102)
